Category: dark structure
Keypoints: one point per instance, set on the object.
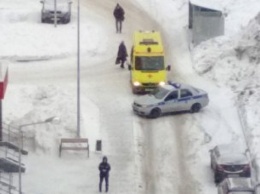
(63, 11)
(206, 20)
(104, 168)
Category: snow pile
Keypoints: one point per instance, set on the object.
(230, 61)
(50, 101)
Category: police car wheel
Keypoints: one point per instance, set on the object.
(155, 113)
(195, 108)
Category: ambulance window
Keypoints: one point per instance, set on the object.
(149, 63)
(154, 63)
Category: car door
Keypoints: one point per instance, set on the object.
(185, 100)
(171, 102)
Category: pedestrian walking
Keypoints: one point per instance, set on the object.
(104, 168)
(121, 54)
(119, 15)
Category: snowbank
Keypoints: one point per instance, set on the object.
(235, 63)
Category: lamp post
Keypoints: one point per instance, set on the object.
(78, 73)
(49, 120)
(55, 13)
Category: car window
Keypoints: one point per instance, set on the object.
(196, 90)
(160, 92)
(185, 93)
(173, 95)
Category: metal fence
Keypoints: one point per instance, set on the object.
(11, 136)
(255, 158)
(6, 182)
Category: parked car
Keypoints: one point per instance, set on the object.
(239, 185)
(63, 11)
(228, 160)
(172, 97)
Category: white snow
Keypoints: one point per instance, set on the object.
(166, 155)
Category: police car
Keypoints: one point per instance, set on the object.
(172, 97)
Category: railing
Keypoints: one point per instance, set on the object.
(9, 149)
(12, 135)
(6, 181)
(244, 129)
(7, 153)
(254, 157)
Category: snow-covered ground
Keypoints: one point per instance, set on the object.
(166, 155)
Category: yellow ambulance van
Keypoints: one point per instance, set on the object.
(147, 66)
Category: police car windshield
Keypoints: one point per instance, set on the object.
(160, 92)
(149, 63)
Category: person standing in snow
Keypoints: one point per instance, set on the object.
(104, 168)
(121, 54)
(119, 15)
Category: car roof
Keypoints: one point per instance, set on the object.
(231, 154)
(240, 184)
(233, 158)
(175, 85)
(229, 149)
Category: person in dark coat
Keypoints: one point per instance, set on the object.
(119, 15)
(104, 168)
(122, 54)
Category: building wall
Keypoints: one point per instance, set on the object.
(205, 24)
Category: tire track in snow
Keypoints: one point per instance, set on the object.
(163, 167)
(163, 156)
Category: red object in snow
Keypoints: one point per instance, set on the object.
(3, 80)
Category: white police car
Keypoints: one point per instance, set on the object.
(172, 97)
